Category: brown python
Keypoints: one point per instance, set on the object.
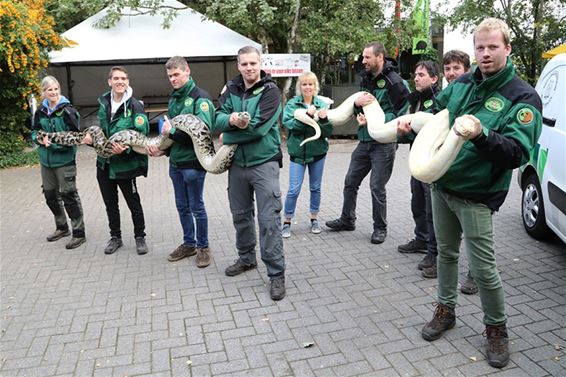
(212, 161)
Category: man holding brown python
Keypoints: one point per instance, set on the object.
(381, 82)
(499, 116)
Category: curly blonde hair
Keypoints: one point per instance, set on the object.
(306, 76)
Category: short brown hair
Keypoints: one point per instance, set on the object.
(458, 57)
(177, 62)
(494, 24)
(117, 68)
(377, 48)
(248, 50)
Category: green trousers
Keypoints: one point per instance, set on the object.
(452, 218)
(60, 191)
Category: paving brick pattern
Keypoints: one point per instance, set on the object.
(359, 306)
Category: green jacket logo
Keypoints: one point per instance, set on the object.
(258, 90)
(381, 83)
(427, 103)
(188, 102)
(494, 104)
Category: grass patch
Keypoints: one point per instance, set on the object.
(23, 158)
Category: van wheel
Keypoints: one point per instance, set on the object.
(532, 209)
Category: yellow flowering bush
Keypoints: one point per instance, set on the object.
(26, 37)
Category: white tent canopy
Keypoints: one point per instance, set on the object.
(142, 37)
(142, 45)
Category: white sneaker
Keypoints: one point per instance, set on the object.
(286, 231)
(315, 227)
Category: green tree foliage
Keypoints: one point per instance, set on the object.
(26, 37)
(328, 30)
(536, 25)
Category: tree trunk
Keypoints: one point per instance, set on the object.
(290, 47)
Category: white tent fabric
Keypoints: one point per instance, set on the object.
(142, 37)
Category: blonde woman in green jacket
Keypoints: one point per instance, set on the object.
(311, 155)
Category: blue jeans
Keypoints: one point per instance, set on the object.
(189, 186)
(296, 176)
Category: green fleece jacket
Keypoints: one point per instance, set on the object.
(189, 99)
(390, 91)
(130, 115)
(260, 141)
(64, 118)
(510, 113)
(298, 131)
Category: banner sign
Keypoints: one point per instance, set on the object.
(285, 65)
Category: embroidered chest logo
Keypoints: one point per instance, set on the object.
(525, 116)
(494, 104)
(204, 107)
(257, 91)
(188, 102)
(380, 83)
(427, 103)
(139, 120)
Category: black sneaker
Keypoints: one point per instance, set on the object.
(75, 242)
(58, 234)
(430, 272)
(277, 289)
(497, 345)
(378, 236)
(413, 246)
(428, 261)
(469, 287)
(182, 251)
(338, 225)
(444, 318)
(141, 246)
(238, 268)
(113, 244)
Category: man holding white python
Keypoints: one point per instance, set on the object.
(498, 118)
(383, 84)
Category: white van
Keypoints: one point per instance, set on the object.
(543, 178)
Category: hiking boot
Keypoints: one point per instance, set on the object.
(75, 242)
(444, 318)
(338, 225)
(58, 234)
(497, 345)
(277, 289)
(413, 246)
(378, 236)
(238, 268)
(428, 261)
(203, 257)
(469, 287)
(315, 227)
(182, 251)
(430, 272)
(141, 246)
(113, 244)
(286, 230)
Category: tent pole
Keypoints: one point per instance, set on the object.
(69, 86)
(225, 70)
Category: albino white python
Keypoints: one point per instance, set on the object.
(212, 162)
(377, 128)
(436, 146)
(434, 150)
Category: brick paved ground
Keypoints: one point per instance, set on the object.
(83, 313)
